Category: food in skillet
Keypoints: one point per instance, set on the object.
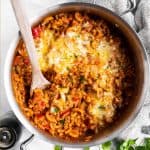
(90, 71)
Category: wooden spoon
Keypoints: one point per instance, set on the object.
(38, 80)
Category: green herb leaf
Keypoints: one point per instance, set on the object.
(128, 144)
(62, 121)
(140, 148)
(86, 148)
(68, 68)
(106, 145)
(119, 143)
(58, 147)
(101, 107)
(147, 143)
(56, 110)
(131, 144)
(81, 79)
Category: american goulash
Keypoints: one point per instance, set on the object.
(89, 71)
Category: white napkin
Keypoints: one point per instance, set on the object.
(142, 20)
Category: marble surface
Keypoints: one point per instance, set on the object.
(9, 29)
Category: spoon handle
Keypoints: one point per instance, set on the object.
(26, 32)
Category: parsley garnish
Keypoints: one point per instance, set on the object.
(106, 145)
(56, 109)
(81, 79)
(58, 147)
(62, 121)
(101, 107)
(86, 148)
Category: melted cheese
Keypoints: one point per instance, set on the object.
(102, 108)
(62, 52)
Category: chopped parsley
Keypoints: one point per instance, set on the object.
(62, 121)
(68, 68)
(86, 148)
(106, 145)
(58, 147)
(81, 79)
(129, 144)
(54, 110)
(101, 107)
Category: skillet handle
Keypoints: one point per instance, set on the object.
(132, 6)
(23, 146)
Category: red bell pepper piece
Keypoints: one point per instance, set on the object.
(36, 31)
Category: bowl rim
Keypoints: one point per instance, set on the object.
(21, 116)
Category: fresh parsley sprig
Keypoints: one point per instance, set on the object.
(129, 144)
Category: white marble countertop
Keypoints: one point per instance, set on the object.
(9, 29)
